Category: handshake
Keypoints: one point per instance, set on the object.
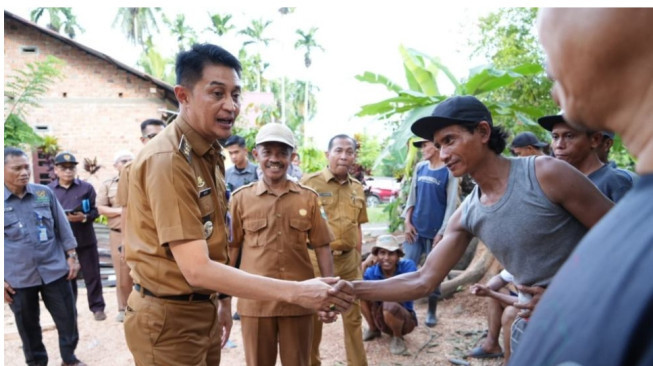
(328, 295)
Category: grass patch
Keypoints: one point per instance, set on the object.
(376, 214)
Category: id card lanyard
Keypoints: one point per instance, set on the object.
(42, 231)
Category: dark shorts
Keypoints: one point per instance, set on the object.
(409, 317)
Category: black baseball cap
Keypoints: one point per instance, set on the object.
(527, 139)
(547, 122)
(418, 144)
(65, 157)
(458, 110)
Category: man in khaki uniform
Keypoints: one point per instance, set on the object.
(149, 129)
(343, 201)
(177, 230)
(107, 206)
(275, 220)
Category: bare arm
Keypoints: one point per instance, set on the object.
(324, 260)
(577, 194)
(199, 270)
(410, 286)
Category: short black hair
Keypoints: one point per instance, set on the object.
(343, 136)
(235, 140)
(14, 151)
(151, 122)
(190, 64)
(498, 136)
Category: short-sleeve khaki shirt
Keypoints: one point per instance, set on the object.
(344, 205)
(273, 233)
(176, 192)
(106, 196)
(123, 186)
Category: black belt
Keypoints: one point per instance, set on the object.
(189, 297)
(116, 230)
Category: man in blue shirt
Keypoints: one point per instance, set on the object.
(38, 239)
(432, 199)
(243, 172)
(78, 200)
(396, 319)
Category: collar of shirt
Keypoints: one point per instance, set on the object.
(197, 142)
(29, 189)
(261, 187)
(75, 182)
(328, 176)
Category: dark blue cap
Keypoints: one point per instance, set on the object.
(527, 139)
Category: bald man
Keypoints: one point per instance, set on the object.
(598, 310)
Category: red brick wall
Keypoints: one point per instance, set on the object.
(96, 109)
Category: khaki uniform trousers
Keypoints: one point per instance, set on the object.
(292, 334)
(124, 282)
(171, 332)
(347, 266)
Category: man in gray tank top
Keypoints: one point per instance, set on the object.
(530, 212)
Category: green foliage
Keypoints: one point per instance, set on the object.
(184, 34)
(156, 65)
(307, 41)
(312, 159)
(58, 18)
(138, 24)
(220, 24)
(368, 152)
(22, 92)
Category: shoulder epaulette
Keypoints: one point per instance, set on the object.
(241, 187)
(185, 148)
(308, 188)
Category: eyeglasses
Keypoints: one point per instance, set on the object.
(150, 136)
(68, 167)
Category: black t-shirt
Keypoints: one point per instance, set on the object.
(598, 309)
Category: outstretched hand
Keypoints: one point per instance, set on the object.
(480, 290)
(318, 294)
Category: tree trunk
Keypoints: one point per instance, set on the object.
(482, 261)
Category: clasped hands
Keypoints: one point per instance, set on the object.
(329, 296)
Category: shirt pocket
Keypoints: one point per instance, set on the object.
(354, 208)
(13, 227)
(254, 232)
(299, 231)
(46, 215)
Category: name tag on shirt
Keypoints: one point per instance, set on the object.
(205, 192)
(325, 194)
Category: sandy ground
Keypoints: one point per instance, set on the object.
(460, 323)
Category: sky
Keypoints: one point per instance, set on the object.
(356, 36)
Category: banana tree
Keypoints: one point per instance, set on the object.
(423, 94)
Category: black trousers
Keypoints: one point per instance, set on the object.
(90, 262)
(58, 299)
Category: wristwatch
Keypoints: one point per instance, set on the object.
(84, 221)
(72, 255)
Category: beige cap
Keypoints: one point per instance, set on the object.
(275, 132)
(389, 243)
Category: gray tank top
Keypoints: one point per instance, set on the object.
(527, 233)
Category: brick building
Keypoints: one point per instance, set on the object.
(97, 107)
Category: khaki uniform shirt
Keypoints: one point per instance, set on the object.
(344, 205)
(123, 186)
(273, 233)
(106, 196)
(176, 192)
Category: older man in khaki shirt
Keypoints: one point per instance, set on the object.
(343, 203)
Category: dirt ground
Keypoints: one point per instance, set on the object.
(461, 321)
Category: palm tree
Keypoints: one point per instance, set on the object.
(220, 24)
(255, 33)
(137, 23)
(185, 34)
(155, 64)
(59, 18)
(307, 41)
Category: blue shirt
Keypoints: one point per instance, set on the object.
(31, 258)
(430, 199)
(236, 177)
(611, 182)
(375, 273)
